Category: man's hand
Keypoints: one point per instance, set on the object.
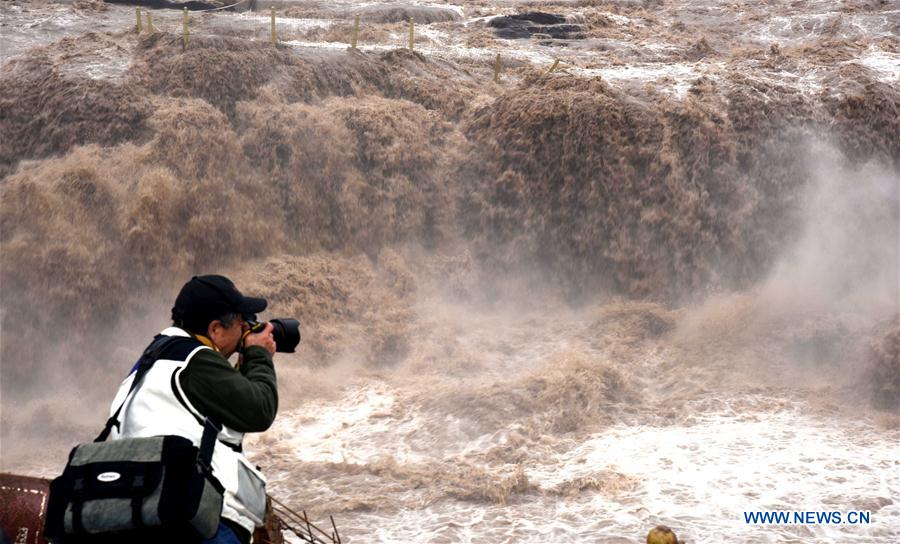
(262, 339)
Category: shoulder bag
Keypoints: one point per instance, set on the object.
(137, 489)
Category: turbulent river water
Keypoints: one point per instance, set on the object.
(566, 271)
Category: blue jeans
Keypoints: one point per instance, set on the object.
(223, 536)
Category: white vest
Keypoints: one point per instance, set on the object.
(160, 407)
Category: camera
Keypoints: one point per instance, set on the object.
(285, 331)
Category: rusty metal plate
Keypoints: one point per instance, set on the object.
(24, 501)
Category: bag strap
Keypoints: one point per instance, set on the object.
(207, 445)
(150, 355)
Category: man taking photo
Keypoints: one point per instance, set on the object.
(192, 380)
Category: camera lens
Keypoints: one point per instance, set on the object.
(286, 332)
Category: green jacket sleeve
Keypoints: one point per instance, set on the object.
(245, 400)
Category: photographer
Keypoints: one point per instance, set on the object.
(192, 380)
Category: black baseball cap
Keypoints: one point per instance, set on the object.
(207, 298)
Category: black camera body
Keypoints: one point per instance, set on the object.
(285, 331)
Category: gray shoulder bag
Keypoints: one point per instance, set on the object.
(137, 489)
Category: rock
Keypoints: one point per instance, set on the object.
(526, 25)
(661, 535)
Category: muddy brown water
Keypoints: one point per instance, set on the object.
(657, 285)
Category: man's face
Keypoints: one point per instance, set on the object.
(227, 338)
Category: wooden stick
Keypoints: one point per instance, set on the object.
(337, 535)
(355, 32)
(184, 29)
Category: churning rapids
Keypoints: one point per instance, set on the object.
(657, 284)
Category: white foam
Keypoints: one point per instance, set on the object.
(355, 429)
(700, 475)
(681, 75)
(433, 34)
(622, 19)
(460, 10)
(884, 63)
(707, 474)
(294, 23)
(113, 67)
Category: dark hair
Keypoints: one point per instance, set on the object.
(196, 327)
